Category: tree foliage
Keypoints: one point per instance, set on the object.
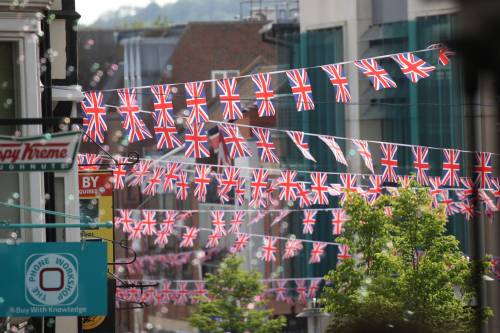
(232, 305)
(405, 270)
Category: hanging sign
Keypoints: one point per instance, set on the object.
(96, 201)
(48, 152)
(53, 279)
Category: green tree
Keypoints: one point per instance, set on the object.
(405, 270)
(231, 305)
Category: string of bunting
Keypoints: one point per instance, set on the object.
(291, 291)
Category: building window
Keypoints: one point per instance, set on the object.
(222, 74)
(9, 109)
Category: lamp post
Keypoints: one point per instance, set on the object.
(317, 320)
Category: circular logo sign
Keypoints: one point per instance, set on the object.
(51, 279)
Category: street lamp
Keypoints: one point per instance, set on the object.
(317, 320)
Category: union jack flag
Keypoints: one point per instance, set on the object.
(300, 141)
(218, 222)
(339, 217)
(258, 185)
(280, 290)
(413, 67)
(189, 236)
(140, 172)
(451, 165)
(468, 208)
(343, 252)
(389, 162)
(420, 163)
(292, 248)
(364, 151)
(483, 170)
(166, 229)
(264, 95)
(162, 104)
(265, 146)
(154, 181)
(313, 288)
(201, 180)
(196, 142)
(119, 173)
(240, 243)
(304, 195)
(181, 294)
(234, 141)
(338, 79)
(171, 176)
(148, 222)
(349, 185)
(444, 55)
(317, 251)
(126, 220)
(269, 249)
(435, 190)
(182, 186)
(236, 221)
(86, 161)
(309, 221)
(301, 290)
(85, 127)
(134, 127)
(95, 114)
(301, 89)
(199, 292)
(288, 185)
(196, 102)
(335, 148)
(319, 188)
(450, 205)
(470, 188)
(378, 76)
(229, 98)
(166, 136)
(375, 189)
(496, 190)
(213, 239)
(239, 192)
(227, 182)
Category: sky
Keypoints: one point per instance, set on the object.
(90, 10)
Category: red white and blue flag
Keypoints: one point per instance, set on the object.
(349, 185)
(229, 99)
(227, 181)
(119, 173)
(125, 220)
(335, 148)
(444, 55)
(240, 243)
(308, 221)
(95, 114)
(265, 146)
(343, 252)
(269, 249)
(153, 182)
(378, 76)
(292, 248)
(258, 185)
(182, 186)
(451, 166)
(483, 170)
(317, 252)
(389, 162)
(234, 141)
(87, 161)
(338, 79)
(339, 217)
(171, 176)
(304, 194)
(413, 67)
(365, 153)
(299, 139)
(189, 236)
(201, 181)
(288, 185)
(218, 222)
(301, 89)
(162, 104)
(196, 142)
(148, 222)
(375, 189)
(196, 102)
(236, 221)
(420, 163)
(319, 188)
(264, 95)
(134, 127)
(239, 192)
(140, 172)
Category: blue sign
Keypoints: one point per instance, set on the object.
(53, 279)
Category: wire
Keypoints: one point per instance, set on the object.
(281, 70)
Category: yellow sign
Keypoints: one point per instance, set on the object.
(96, 201)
